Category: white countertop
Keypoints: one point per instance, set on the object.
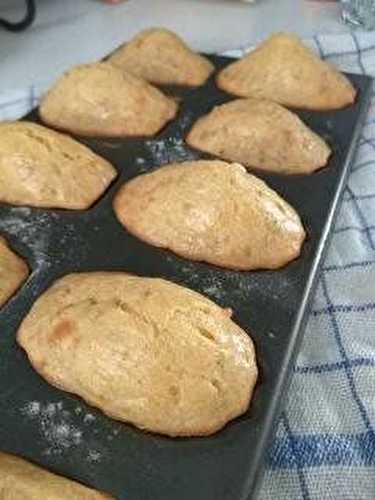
(72, 31)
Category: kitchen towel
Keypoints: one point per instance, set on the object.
(325, 444)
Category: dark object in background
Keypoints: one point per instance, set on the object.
(25, 22)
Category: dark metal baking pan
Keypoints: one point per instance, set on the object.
(60, 431)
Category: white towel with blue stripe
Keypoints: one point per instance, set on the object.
(325, 444)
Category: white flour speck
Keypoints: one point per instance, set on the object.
(94, 456)
(32, 409)
(33, 230)
(61, 435)
(214, 290)
(61, 430)
(55, 426)
(78, 410)
(25, 211)
(169, 150)
(89, 418)
(187, 120)
(50, 410)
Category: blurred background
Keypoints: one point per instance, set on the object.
(72, 31)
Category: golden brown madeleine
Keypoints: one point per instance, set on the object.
(261, 134)
(102, 100)
(283, 70)
(43, 168)
(13, 271)
(22, 480)
(211, 211)
(161, 57)
(143, 350)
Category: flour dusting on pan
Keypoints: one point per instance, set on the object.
(58, 431)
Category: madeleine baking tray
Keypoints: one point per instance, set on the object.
(58, 430)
